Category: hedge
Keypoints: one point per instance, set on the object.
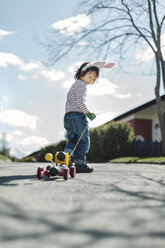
(110, 141)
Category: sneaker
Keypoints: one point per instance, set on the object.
(84, 168)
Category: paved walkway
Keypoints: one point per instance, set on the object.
(117, 206)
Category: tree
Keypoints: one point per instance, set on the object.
(121, 28)
(5, 150)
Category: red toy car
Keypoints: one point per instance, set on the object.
(62, 166)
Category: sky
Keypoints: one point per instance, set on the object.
(33, 96)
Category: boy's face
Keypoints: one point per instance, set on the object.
(89, 78)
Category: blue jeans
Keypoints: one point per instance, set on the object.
(75, 123)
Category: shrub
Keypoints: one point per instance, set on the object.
(95, 147)
(110, 141)
(26, 159)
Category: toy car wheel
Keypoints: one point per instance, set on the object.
(53, 171)
(72, 171)
(48, 167)
(46, 173)
(40, 173)
(66, 174)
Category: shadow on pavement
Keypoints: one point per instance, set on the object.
(5, 180)
(52, 229)
(141, 194)
(161, 182)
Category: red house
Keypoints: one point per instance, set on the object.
(144, 120)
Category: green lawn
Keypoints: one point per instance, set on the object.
(2, 157)
(156, 160)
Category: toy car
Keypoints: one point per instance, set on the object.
(62, 166)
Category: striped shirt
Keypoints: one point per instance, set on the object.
(76, 98)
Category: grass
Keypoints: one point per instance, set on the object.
(153, 160)
(27, 159)
(2, 157)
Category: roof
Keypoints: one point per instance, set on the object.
(141, 107)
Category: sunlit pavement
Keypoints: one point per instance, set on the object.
(117, 206)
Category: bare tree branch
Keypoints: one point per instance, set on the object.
(134, 25)
(151, 22)
(121, 21)
(161, 23)
(155, 14)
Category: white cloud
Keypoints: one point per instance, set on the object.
(33, 143)
(19, 118)
(9, 58)
(35, 76)
(17, 133)
(30, 66)
(22, 77)
(73, 24)
(5, 33)
(68, 83)
(121, 96)
(52, 75)
(20, 146)
(103, 87)
(73, 68)
(83, 43)
(101, 118)
(41, 141)
(148, 54)
(13, 141)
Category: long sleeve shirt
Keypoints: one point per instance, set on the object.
(76, 98)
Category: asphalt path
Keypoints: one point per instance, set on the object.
(116, 206)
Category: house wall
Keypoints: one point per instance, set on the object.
(142, 128)
(142, 125)
(145, 123)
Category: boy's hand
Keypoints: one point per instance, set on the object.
(91, 116)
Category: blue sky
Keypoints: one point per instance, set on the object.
(32, 96)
